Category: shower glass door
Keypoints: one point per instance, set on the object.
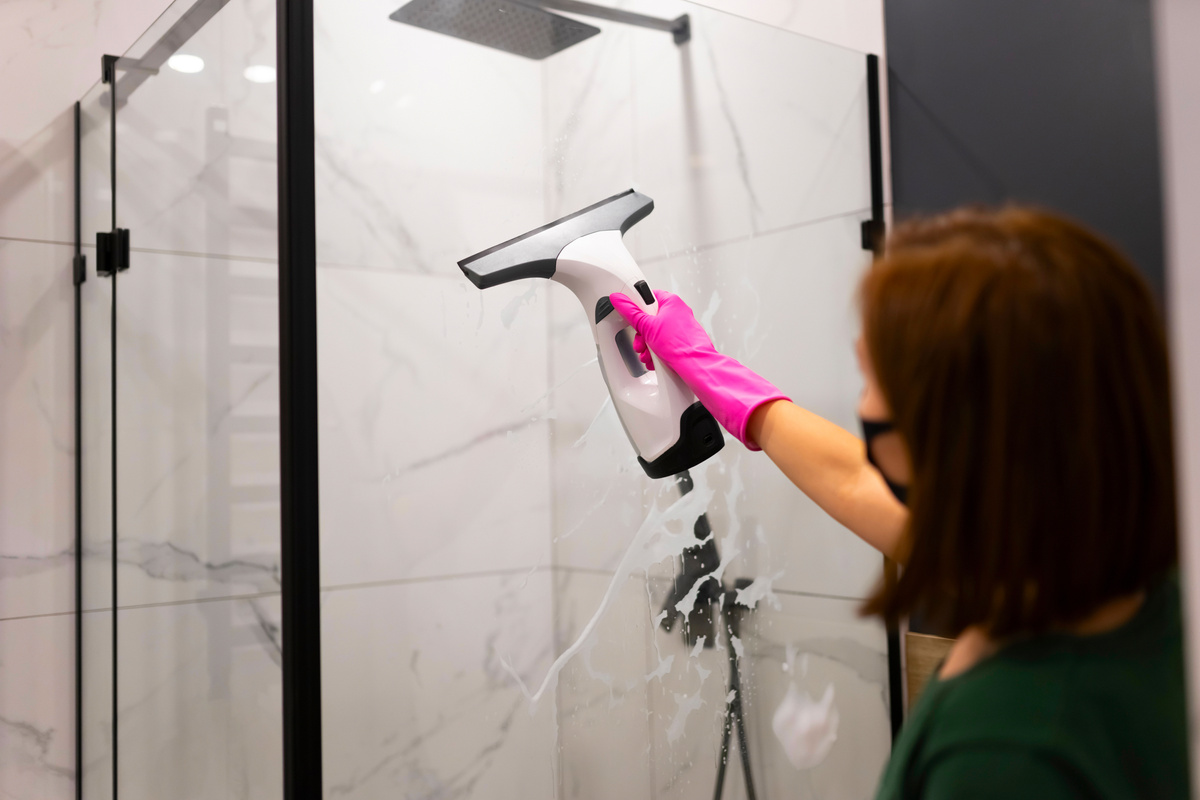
(195, 639)
(498, 574)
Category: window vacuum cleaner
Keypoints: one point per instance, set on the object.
(669, 429)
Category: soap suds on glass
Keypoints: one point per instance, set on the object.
(738, 647)
(760, 589)
(685, 705)
(652, 543)
(663, 668)
(807, 729)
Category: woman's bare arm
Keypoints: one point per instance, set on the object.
(829, 465)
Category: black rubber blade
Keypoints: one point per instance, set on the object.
(507, 25)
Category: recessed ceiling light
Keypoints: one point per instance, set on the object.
(376, 87)
(181, 62)
(259, 73)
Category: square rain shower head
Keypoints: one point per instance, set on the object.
(507, 25)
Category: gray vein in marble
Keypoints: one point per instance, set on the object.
(32, 746)
(169, 561)
(450, 786)
(606, 698)
(16, 566)
(835, 139)
(201, 181)
(219, 418)
(227, 411)
(19, 167)
(267, 633)
(374, 399)
(561, 383)
(459, 449)
(43, 409)
(742, 160)
(360, 192)
(679, 771)
(412, 666)
(397, 358)
(42, 319)
(507, 605)
(162, 481)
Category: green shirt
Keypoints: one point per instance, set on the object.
(1056, 716)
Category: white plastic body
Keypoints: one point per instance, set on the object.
(649, 405)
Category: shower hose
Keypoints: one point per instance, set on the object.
(712, 599)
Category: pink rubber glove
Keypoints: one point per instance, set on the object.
(727, 389)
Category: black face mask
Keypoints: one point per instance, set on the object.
(872, 428)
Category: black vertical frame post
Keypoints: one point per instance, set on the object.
(874, 231)
(78, 275)
(108, 74)
(895, 668)
(299, 541)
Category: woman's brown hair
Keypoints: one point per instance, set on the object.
(1025, 365)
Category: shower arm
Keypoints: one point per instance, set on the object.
(680, 28)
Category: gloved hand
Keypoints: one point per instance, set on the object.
(730, 391)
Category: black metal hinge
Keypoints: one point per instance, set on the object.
(80, 268)
(112, 252)
(873, 232)
(108, 68)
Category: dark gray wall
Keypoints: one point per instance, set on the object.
(1050, 102)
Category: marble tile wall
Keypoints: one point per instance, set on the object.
(196, 151)
(428, 147)
(36, 185)
(419, 694)
(197, 455)
(436, 497)
(51, 55)
(36, 429)
(37, 707)
(200, 701)
(854, 24)
(37, 452)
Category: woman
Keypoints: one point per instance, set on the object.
(1018, 463)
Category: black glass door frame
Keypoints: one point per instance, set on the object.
(298, 364)
(300, 548)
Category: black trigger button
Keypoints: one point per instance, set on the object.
(604, 307)
(644, 290)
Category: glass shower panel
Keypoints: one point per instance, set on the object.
(199, 678)
(95, 387)
(435, 483)
(495, 564)
(754, 144)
